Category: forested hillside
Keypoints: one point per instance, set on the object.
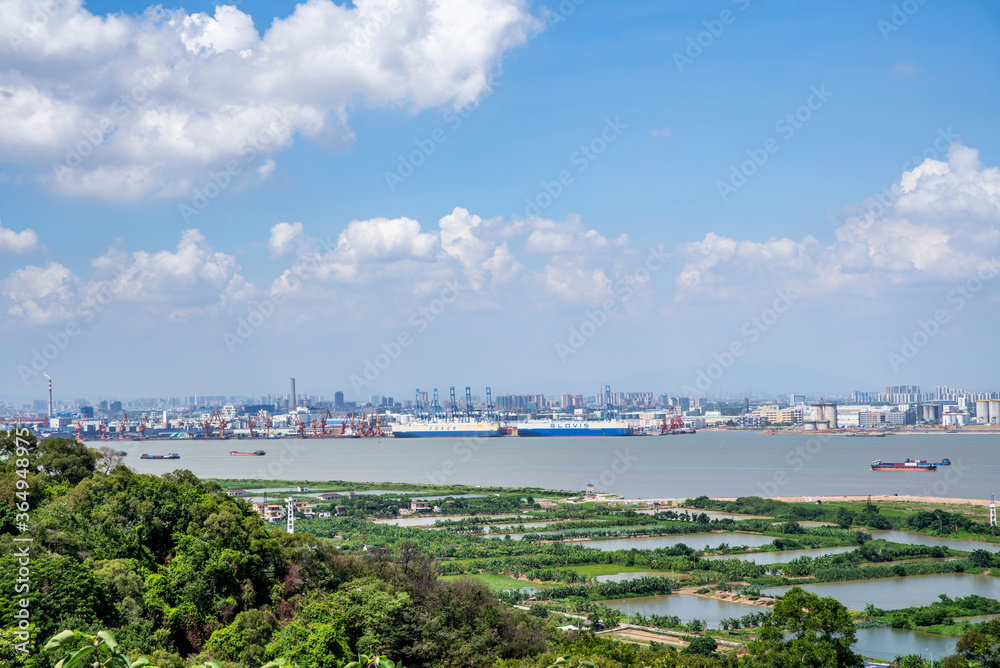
(178, 569)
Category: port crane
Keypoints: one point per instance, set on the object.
(142, 426)
(261, 418)
(454, 404)
(214, 416)
(104, 429)
(122, 424)
(489, 404)
(301, 425)
(468, 403)
(675, 425)
(79, 430)
(251, 422)
(322, 421)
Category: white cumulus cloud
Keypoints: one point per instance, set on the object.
(18, 243)
(135, 106)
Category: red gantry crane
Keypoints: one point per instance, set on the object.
(302, 426)
(121, 426)
(142, 427)
(222, 424)
(263, 417)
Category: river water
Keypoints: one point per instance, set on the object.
(708, 463)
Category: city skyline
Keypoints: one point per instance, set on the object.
(736, 198)
(902, 394)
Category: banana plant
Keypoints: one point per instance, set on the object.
(366, 661)
(101, 651)
(563, 662)
(97, 651)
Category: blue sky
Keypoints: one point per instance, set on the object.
(511, 91)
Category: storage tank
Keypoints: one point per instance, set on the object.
(931, 412)
(994, 411)
(830, 415)
(982, 411)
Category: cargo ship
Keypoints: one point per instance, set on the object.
(908, 465)
(172, 455)
(114, 453)
(445, 429)
(255, 453)
(573, 428)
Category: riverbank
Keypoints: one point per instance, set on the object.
(669, 503)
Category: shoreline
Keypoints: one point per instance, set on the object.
(906, 498)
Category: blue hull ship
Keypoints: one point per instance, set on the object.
(573, 428)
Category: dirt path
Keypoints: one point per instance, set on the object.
(762, 602)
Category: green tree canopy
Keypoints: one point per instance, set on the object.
(822, 634)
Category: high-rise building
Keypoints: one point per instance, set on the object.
(338, 399)
(292, 403)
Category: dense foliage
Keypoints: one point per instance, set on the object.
(936, 521)
(176, 568)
